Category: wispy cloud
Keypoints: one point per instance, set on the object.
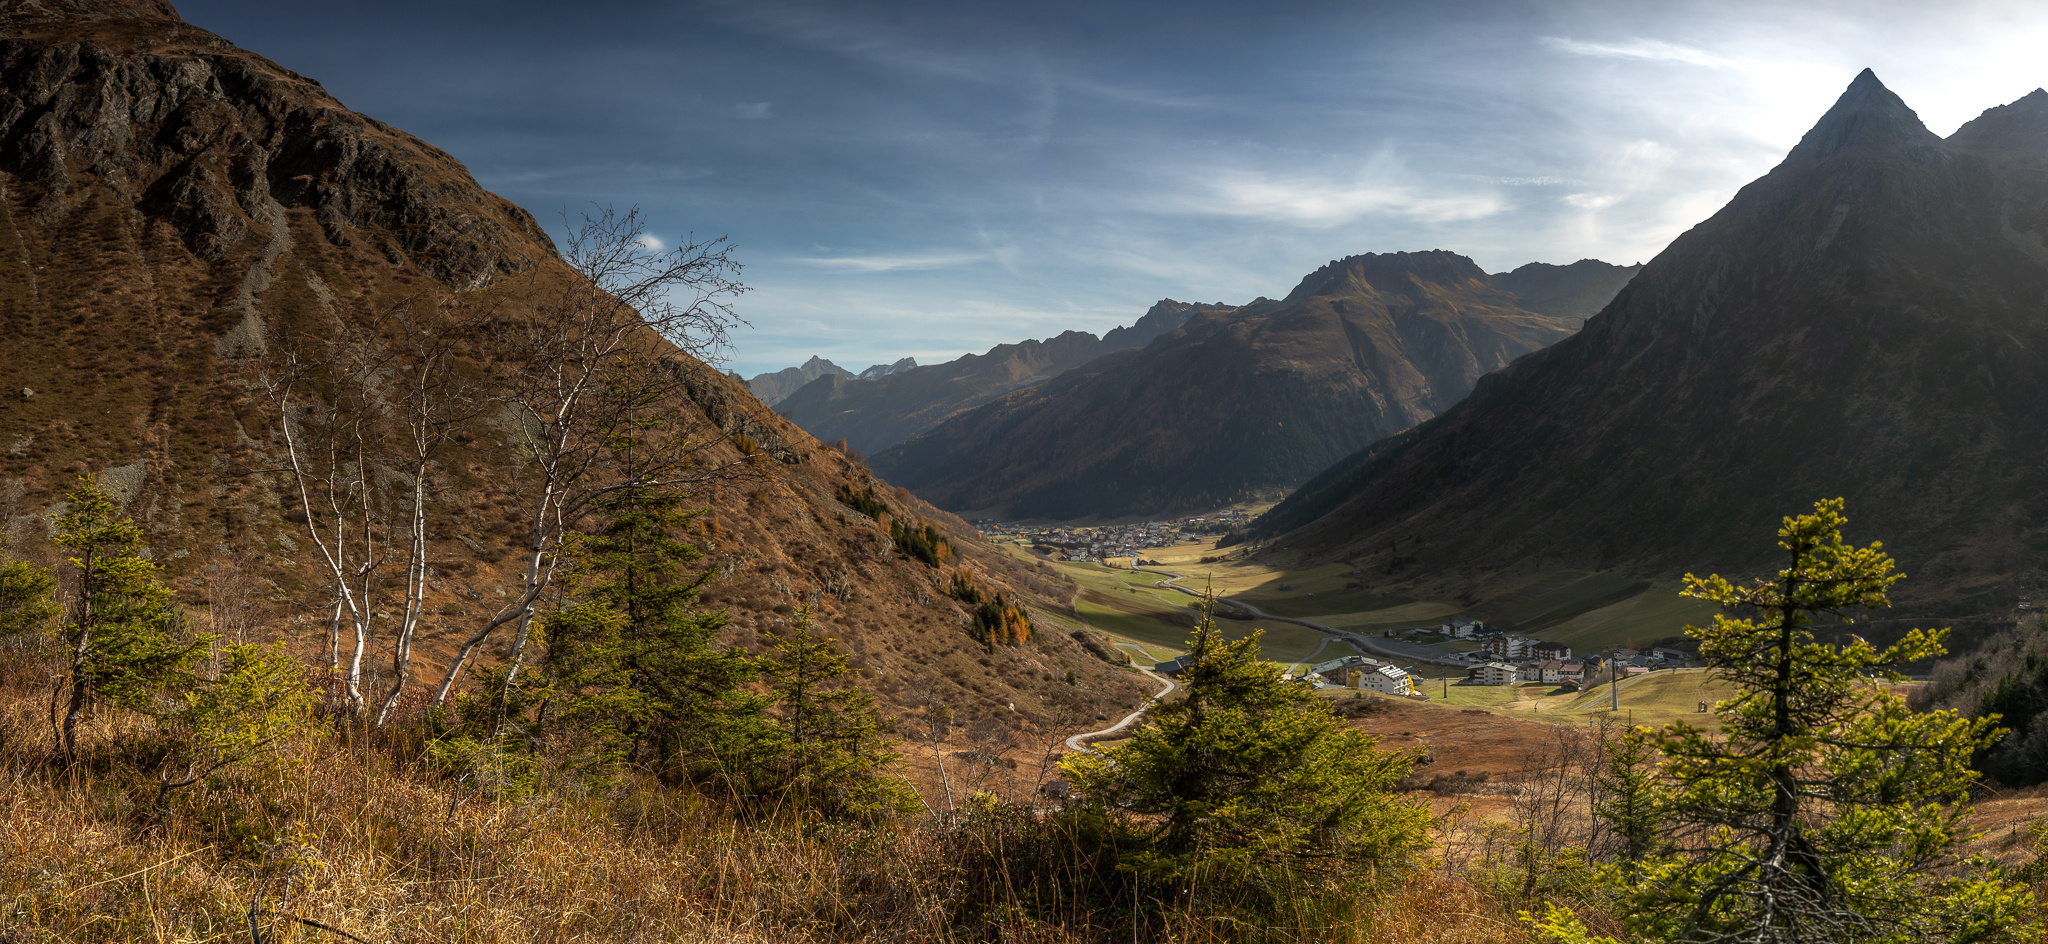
(893, 263)
(753, 111)
(1313, 202)
(1644, 50)
(650, 242)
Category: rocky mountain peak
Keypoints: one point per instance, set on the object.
(1386, 272)
(2020, 126)
(15, 13)
(1868, 117)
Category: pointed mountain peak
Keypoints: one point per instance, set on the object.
(2020, 126)
(1868, 117)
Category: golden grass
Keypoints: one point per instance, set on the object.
(355, 833)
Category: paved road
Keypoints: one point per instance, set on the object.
(1079, 742)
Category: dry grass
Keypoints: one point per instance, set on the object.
(357, 834)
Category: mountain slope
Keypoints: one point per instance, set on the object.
(872, 416)
(1866, 320)
(1576, 291)
(1234, 403)
(172, 208)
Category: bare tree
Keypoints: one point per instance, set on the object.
(368, 412)
(591, 383)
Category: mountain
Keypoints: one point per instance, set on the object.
(176, 213)
(872, 417)
(1577, 291)
(773, 388)
(1866, 320)
(1234, 403)
(878, 371)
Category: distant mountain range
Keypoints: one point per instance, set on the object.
(774, 388)
(874, 416)
(1239, 402)
(1867, 320)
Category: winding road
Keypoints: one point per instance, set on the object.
(1079, 742)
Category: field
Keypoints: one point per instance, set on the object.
(1155, 622)
(1585, 610)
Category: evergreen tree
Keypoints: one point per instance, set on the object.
(1824, 809)
(635, 662)
(124, 635)
(1251, 771)
(835, 754)
(27, 599)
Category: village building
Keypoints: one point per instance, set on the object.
(1385, 679)
(1493, 673)
(1461, 628)
(1550, 650)
(1544, 670)
(1510, 647)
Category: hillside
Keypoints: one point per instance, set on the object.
(178, 216)
(1864, 321)
(872, 416)
(1234, 404)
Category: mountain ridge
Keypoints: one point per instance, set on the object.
(1863, 320)
(1234, 403)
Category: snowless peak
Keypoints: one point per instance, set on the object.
(2020, 126)
(1868, 117)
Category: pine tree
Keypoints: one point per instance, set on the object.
(1824, 809)
(27, 599)
(835, 754)
(635, 662)
(124, 634)
(1250, 770)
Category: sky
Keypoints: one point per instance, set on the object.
(930, 179)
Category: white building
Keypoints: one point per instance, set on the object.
(1511, 647)
(1461, 628)
(1493, 673)
(1383, 678)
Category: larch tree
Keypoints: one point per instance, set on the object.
(127, 648)
(1823, 809)
(1251, 773)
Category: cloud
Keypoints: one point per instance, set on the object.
(650, 242)
(1313, 202)
(753, 111)
(893, 263)
(1643, 50)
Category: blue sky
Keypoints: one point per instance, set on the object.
(929, 179)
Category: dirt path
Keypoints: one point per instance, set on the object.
(1079, 742)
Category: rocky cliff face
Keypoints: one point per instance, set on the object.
(172, 207)
(875, 416)
(1235, 403)
(1865, 321)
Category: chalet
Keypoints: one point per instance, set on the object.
(1493, 673)
(1461, 628)
(1338, 671)
(1174, 668)
(1550, 650)
(1545, 670)
(1383, 678)
(1671, 655)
